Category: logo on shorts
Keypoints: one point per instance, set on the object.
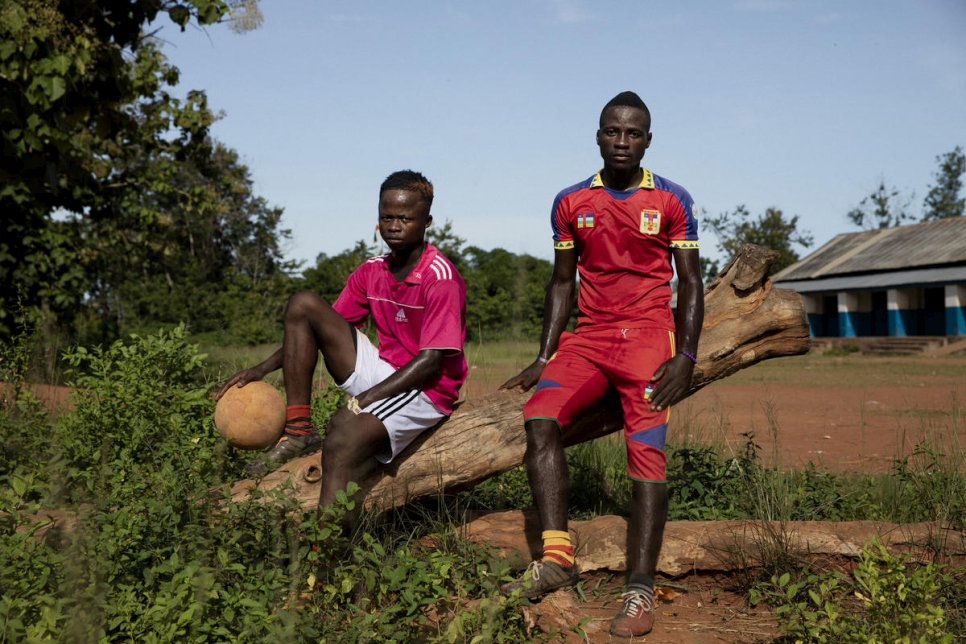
(401, 316)
(650, 222)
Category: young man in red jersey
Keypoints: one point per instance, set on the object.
(417, 301)
(620, 230)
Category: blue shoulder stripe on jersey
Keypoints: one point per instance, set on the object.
(556, 202)
(687, 203)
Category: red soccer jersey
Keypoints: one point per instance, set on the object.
(427, 310)
(623, 241)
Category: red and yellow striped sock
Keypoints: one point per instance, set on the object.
(298, 420)
(557, 547)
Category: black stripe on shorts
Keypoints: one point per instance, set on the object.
(386, 408)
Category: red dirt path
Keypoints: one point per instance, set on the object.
(840, 429)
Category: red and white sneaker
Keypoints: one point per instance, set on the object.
(636, 616)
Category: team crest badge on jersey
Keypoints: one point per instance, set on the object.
(650, 222)
(585, 221)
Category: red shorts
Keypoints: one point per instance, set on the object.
(587, 364)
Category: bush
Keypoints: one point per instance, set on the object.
(160, 553)
(140, 417)
(898, 602)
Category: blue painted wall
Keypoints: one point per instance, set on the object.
(846, 325)
(816, 325)
(902, 322)
(956, 320)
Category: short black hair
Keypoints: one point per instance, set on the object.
(626, 99)
(409, 180)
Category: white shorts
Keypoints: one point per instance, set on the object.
(405, 415)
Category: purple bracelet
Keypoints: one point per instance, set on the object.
(690, 357)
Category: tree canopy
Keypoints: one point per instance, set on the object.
(943, 198)
(91, 130)
(771, 229)
(884, 208)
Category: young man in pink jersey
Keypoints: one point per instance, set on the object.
(417, 301)
(620, 230)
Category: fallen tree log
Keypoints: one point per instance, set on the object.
(746, 321)
(720, 546)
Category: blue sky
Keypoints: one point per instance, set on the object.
(801, 105)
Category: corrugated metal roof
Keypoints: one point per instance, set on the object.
(932, 243)
(878, 281)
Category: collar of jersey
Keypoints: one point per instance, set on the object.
(647, 181)
(416, 275)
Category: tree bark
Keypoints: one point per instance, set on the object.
(746, 320)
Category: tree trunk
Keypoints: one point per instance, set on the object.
(746, 321)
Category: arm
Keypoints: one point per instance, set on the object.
(252, 374)
(556, 312)
(675, 374)
(412, 375)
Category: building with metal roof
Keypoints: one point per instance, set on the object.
(902, 281)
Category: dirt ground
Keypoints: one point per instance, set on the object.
(849, 424)
(701, 609)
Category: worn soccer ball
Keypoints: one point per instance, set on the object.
(251, 417)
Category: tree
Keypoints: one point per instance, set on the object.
(328, 277)
(884, 208)
(448, 243)
(943, 199)
(771, 230)
(709, 270)
(74, 76)
(504, 293)
(192, 244)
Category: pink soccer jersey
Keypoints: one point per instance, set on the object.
(427, 310)
(623, 240)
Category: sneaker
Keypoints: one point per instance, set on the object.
(542, 577)
(289, 446)
(636, 616)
